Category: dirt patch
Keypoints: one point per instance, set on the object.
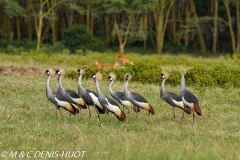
(20, 71)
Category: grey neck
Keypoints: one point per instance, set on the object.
(81, 90)
(126, 92)
(80, 80)
(48, 90)
(60, 87)
(110, 88)
(100, 94)
(162, 86)
(183, 86)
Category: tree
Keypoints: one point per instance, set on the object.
(143, 9)
(43, 9)
(123, 19)
(8, 10)
(161, 15)
(130, 21)
(215, 26)
(235, 43)
(201, 41)
(77, 37)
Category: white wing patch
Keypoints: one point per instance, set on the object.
(141, 104)
(187, 103)
(61, 103)
(180, 104)
(76, 100)
(111, 107)
(95, 99)
(126, 103)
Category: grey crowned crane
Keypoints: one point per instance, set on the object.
(70, 95)
(119, 96)
(171, 98)
(89, 97)
(58, 99)
(189, 100)
(108, 103)
(136, 99)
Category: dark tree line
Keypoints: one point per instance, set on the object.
(207, 25)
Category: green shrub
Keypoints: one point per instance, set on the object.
(139, 73)
(201, 76)
(77, 37)
(14, 50)
(58, 48)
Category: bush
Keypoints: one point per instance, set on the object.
(16, 48)
(221, 76)
(77, 37)
(139, 72)
(48, 48)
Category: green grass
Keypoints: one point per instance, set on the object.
(28, 121)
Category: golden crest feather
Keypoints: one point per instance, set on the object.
(63, 72)
(99, 76)
(52, 71)
(112, 75)
(83, 71)
(183, 70)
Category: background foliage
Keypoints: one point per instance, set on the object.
(77, 37)
(221, 76)
(193, 26)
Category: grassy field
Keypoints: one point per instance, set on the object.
(29, 124)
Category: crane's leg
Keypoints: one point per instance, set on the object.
(57, 112)
(80, 114)
(193, 117)
(89, 110)
(97, 113)
(107, 114)
(108, 117)
(182, 117)
(58, 109)
(136, 115)
(174, 116)
(60, 112)
(127, 109)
